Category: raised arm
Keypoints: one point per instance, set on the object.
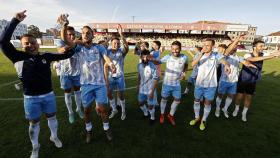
(106, 73)
(234, 44)
(125, 44)
(58, 56)
(8, 49)
(254, 59)
(63, 21)
(248, 64)
(226, 64)
(197, 59)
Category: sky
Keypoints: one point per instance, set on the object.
(261, 13)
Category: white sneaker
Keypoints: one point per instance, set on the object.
(35, 151)
(56, 142)
(123, 116)
(225, 113)
(235, 112)
(146, 113)
(217, 112)
(244, 119)
(113, 113)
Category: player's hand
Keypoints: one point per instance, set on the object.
(227, 69)
(20, 16)
(151, 95)
(65, 49)
(183, 76)
(242, 36)
(120, 30)
(113, 68)
(63, 19)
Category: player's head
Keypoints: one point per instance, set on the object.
(208, 45)
(222, 48)
(198, 49)
(144, 56)
(144, 46)
(29, 44)
(176, 47)
(156, 45)
(259, 46)
(115, 42)
(87, 34)
(70, 33)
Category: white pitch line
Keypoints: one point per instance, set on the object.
(9, 83)
(61, 96)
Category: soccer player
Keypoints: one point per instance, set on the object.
(191, 80)
(228, 82)
(139, 47)
(146, 86)
(221, 49)
(93, 86)
(156, 52)
(176, 65)
(116, 81)
(249, 77)
(35, 74)
(70, 77)
(206, 81)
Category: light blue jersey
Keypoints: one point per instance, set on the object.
(118, 60)
(148, 74)
(234, 62)
(91, 64)
(70, 66)
(174, 69)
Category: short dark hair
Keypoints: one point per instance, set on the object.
(223, 46)
(177, 43)
(27, 35)
(146, 44)
(145, 52)
(199, 48)
(101, 41)
(115, 38)
(211, 40)
(157, 43)
(70, 28)
(89, 28)
(257, 42)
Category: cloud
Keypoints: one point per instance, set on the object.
(40, 13)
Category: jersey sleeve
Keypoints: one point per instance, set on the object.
(165, 58)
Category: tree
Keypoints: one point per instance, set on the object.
(34, 30)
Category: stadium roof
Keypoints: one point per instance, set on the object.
(275, 34)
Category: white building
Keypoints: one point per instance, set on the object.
(272, 41)
(21, 29)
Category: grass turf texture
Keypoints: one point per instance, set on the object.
(134, 137)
